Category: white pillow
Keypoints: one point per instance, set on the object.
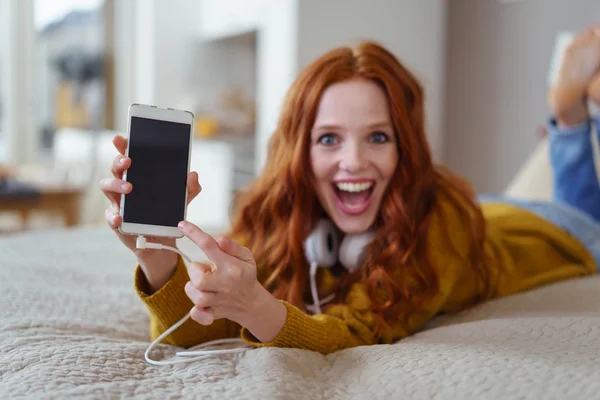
(534, 179)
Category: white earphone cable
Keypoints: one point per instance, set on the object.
(313, 287)
(315, 308)
(141, 243)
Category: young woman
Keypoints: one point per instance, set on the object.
(350, 148)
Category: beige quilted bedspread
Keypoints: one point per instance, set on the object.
(72, 327)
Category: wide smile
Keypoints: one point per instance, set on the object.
(353, 197)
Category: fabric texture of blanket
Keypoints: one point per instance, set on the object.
(71, 326)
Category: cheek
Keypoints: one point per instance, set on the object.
(321, 166)
(323, 171)
(387, 163)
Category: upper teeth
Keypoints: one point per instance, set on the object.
(354, 187)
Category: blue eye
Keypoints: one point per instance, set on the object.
(379, 137)
(327, 139)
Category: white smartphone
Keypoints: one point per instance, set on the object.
(159, 145)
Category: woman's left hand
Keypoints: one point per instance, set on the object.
(232, 289)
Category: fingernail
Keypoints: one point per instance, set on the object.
(125, 186)
(114, 219)
(122, 161)
(181, 225)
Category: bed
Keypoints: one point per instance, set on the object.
(72, 327)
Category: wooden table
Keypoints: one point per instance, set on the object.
(55, 196)
(63, 200)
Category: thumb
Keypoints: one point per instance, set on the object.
(203, 316)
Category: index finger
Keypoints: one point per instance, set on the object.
(207, 243)
(120, 144)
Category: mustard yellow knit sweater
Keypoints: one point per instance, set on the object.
(525, 251)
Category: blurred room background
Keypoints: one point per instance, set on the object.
(69, 69)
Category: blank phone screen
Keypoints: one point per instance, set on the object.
(159, 152)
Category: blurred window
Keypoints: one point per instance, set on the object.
(72, 66)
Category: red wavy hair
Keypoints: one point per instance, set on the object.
(279, 210)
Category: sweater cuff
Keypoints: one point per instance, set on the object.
(162, 303)
(304, 332)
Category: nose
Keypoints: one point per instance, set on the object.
(353, 159)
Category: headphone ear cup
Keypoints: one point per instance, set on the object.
(321, 246)
(353, 250)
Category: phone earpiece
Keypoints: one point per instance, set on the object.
(353, 252)
(321, 246)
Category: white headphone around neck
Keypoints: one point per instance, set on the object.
(322, 248)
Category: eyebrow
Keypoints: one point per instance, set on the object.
(376, 125)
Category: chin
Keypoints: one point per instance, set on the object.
(354, 225)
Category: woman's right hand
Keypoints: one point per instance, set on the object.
(157, 265)
(579, 68)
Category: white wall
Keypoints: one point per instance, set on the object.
(145, 50)
(498, 60)
(20, 138)
(124, 58)
(413, 30)
(154, 53)
(222, 66)
(175, 36)
(3, 76)
(277, 66)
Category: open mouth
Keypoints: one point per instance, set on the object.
(353, 197)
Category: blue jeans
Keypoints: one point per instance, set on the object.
(575, 179)
(576, 203)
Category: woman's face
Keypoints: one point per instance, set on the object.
(353, 153)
